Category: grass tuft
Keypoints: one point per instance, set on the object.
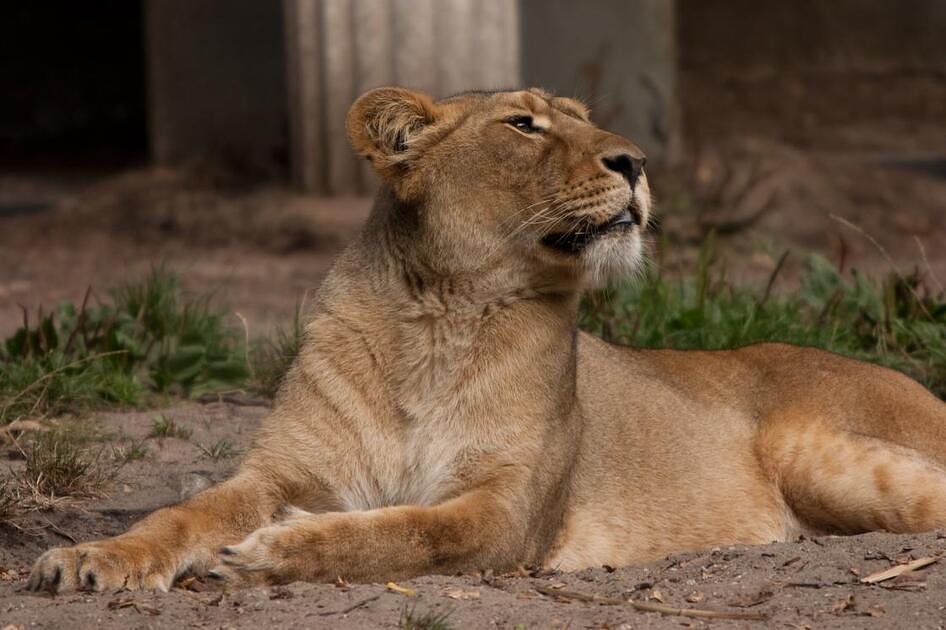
(430, 620)
(13, 504)
(56, 465)
(164, 427)
(129, 453)
(149, 337)
(219, 450)
(897, 321)
(272, 356)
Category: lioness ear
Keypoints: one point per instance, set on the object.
(383, 123)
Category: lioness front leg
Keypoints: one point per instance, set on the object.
(477, 530)
(163, 545)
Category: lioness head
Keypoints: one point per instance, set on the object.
(521, 179)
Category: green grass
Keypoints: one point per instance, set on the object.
(151, 339)
(272, 356)
(129, 452)
(164, 427)
(219, 450)
(898, 321)
(146, 338)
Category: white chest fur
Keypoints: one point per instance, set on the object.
(418, 469)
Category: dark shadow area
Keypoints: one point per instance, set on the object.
(74, 85)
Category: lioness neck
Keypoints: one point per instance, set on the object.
(430, 329)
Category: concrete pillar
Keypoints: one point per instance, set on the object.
(619, 56)
(216, 81)
(338, 49)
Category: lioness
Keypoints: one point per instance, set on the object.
(445, 414)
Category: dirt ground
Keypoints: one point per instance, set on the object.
(807, 583)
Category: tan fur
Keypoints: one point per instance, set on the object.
(445, 415)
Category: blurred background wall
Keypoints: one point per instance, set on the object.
(338, 49)
(216, 78)
(264, 85)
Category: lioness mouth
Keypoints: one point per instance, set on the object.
(575, 241)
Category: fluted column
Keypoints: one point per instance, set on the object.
(338, 49)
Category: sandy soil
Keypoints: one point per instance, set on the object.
(811, 582)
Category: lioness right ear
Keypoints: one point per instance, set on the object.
(383, 123)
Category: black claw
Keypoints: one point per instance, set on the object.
(227, 551)
(215, 575)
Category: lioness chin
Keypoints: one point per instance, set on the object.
(446, 415)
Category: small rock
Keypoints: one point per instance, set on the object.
(192, 483)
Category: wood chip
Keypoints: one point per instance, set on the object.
(841, 605)
(877, 610)
(695, 597)
(892, 572)
(459, 593)
(908, 581)
(657, 596)
(403, 590)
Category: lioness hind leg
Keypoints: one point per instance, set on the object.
(838, 481)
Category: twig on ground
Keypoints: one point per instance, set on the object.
(57, 530)
(649, 606)
(345, 611)
(892, 572)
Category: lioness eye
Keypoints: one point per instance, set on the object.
(523, 124)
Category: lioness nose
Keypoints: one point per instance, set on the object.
(625, 164)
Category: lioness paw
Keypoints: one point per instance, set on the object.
(261, 558)
(97, 567)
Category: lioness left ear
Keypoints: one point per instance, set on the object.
(383, 124)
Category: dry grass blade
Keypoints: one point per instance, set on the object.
(25, 425)
(900, 569)
(887, 257)
(57, 466)
(663, 609)
(695, 612)
(348, 609)
(929, 267)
